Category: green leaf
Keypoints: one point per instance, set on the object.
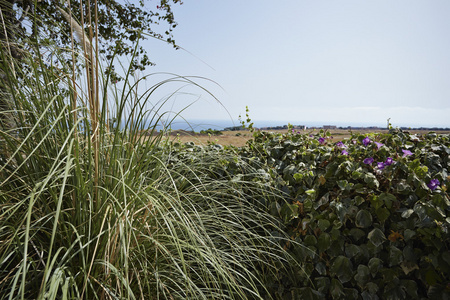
(352, 250)
(289, 212)
(387, 199)
(446, 257)
(336, 289)
(390, 274)
(372, 288)
(376, 236)
(407, 213)
(274, 209)
(310, 240)
(342, 268)
(321, 268)
(323, 224)
(371, 180)
(409, 254)
(323, 242)
(357, 234)
(362, 275)
(363, 219)
(408, 234)
(357, 174)
(307, 293)
(421, 172)
(322, 201)
(351, 294)
(431, 277)
(376, 202)
(342, 184)
(382, 214)
(375, 264)
(322, 284)
(395, 256)
(358, 200)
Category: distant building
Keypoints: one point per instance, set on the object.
(329, 127)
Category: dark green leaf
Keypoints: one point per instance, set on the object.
(371, 180)
(336, 289)
(351, 250)
(321, 268)
(431, 277)
(372, 288)
(395, 256)
(324, 242)
(351, 294)
(306, 293)
(322, 284)
(375, 264)
(376, 236)
(357, 234)
(342, 184)
(408, 234)
(388, 199)
(376, 202)
(342, 268)
(323, 224)
(362, 275)
(310, 240)
(363, 219)
(383, 214)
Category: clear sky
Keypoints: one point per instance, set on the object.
(314, 61)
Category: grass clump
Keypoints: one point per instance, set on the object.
(88, 211)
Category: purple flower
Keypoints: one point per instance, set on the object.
(366, 141)
(406, 153)
(433, 184)
(368, 161)
(321, 140)
(389, 161)
(341, 145)
(381, 165)
(344, 152)
(379, 145)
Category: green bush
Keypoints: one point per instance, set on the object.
(211, 132)
(371, 215)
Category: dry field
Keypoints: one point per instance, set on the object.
(239, 138)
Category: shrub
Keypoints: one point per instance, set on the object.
(371, 215)
(211, 132)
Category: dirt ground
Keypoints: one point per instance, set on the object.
(239, 138)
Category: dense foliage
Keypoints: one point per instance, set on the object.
(370, 216)
(94, 211)
(120, 24)
(211, 131)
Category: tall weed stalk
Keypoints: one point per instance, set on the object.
(89, 211)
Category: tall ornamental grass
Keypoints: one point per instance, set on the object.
(93, 211)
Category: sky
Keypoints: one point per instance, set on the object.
(327, 62)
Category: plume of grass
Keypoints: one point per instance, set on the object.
(92, 213)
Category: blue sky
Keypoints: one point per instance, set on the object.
(343, 62)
